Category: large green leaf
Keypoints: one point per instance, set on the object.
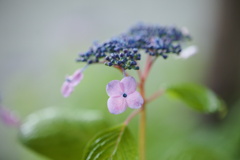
(114, 144)
(197, 97)
(61, 133)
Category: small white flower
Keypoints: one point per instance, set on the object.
(188, 52)
(185, 31)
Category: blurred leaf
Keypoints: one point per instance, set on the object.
(59, 133)
(197, 97)
(115, 144)
(194, 153)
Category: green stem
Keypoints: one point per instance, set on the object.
(142, 133)
(142, 125)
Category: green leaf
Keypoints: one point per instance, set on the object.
(197, 97)
(61, 133)
(114, 144)
(194, 153)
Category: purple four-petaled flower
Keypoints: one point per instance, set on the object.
(122, 94)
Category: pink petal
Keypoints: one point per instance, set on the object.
(8, 117)
(185, 31)
(76, 77)
(129, 85)
(134, 100)
(114, 89)
(67, 89)
(116, 105)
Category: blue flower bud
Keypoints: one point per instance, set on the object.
(123, 50)
(133, 63)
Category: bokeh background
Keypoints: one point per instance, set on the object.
(39, 41)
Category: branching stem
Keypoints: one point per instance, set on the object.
(155, 95)
(131, 116)
(142, 125)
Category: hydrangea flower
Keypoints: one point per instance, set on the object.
(188, 52)
(124, 52)
(71, 82)
(122, 94)
(8, 117)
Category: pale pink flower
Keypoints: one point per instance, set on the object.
(67, 88)
(76, 78)
(185, 31)
(71, 82)
(122, 94)
(8, 117)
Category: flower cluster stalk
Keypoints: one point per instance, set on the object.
(142, 123)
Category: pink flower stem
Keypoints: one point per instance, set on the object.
(122, 71)
(139, 72)
(142, 125)
(131, 116)
(155, 95)
(149, 64)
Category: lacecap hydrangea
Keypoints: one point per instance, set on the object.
(124, 52)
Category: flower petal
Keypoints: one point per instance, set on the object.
(129, 85)
(114, 89)
(76, 77)
(134, 100)
(116, 105)
(185, 31)
(66, 89)
(188, 52)
(8, 117)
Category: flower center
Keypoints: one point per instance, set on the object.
(124, 95)
(68, 80)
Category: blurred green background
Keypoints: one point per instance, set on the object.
(39, 43)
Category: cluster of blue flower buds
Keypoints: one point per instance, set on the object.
(124, 50)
